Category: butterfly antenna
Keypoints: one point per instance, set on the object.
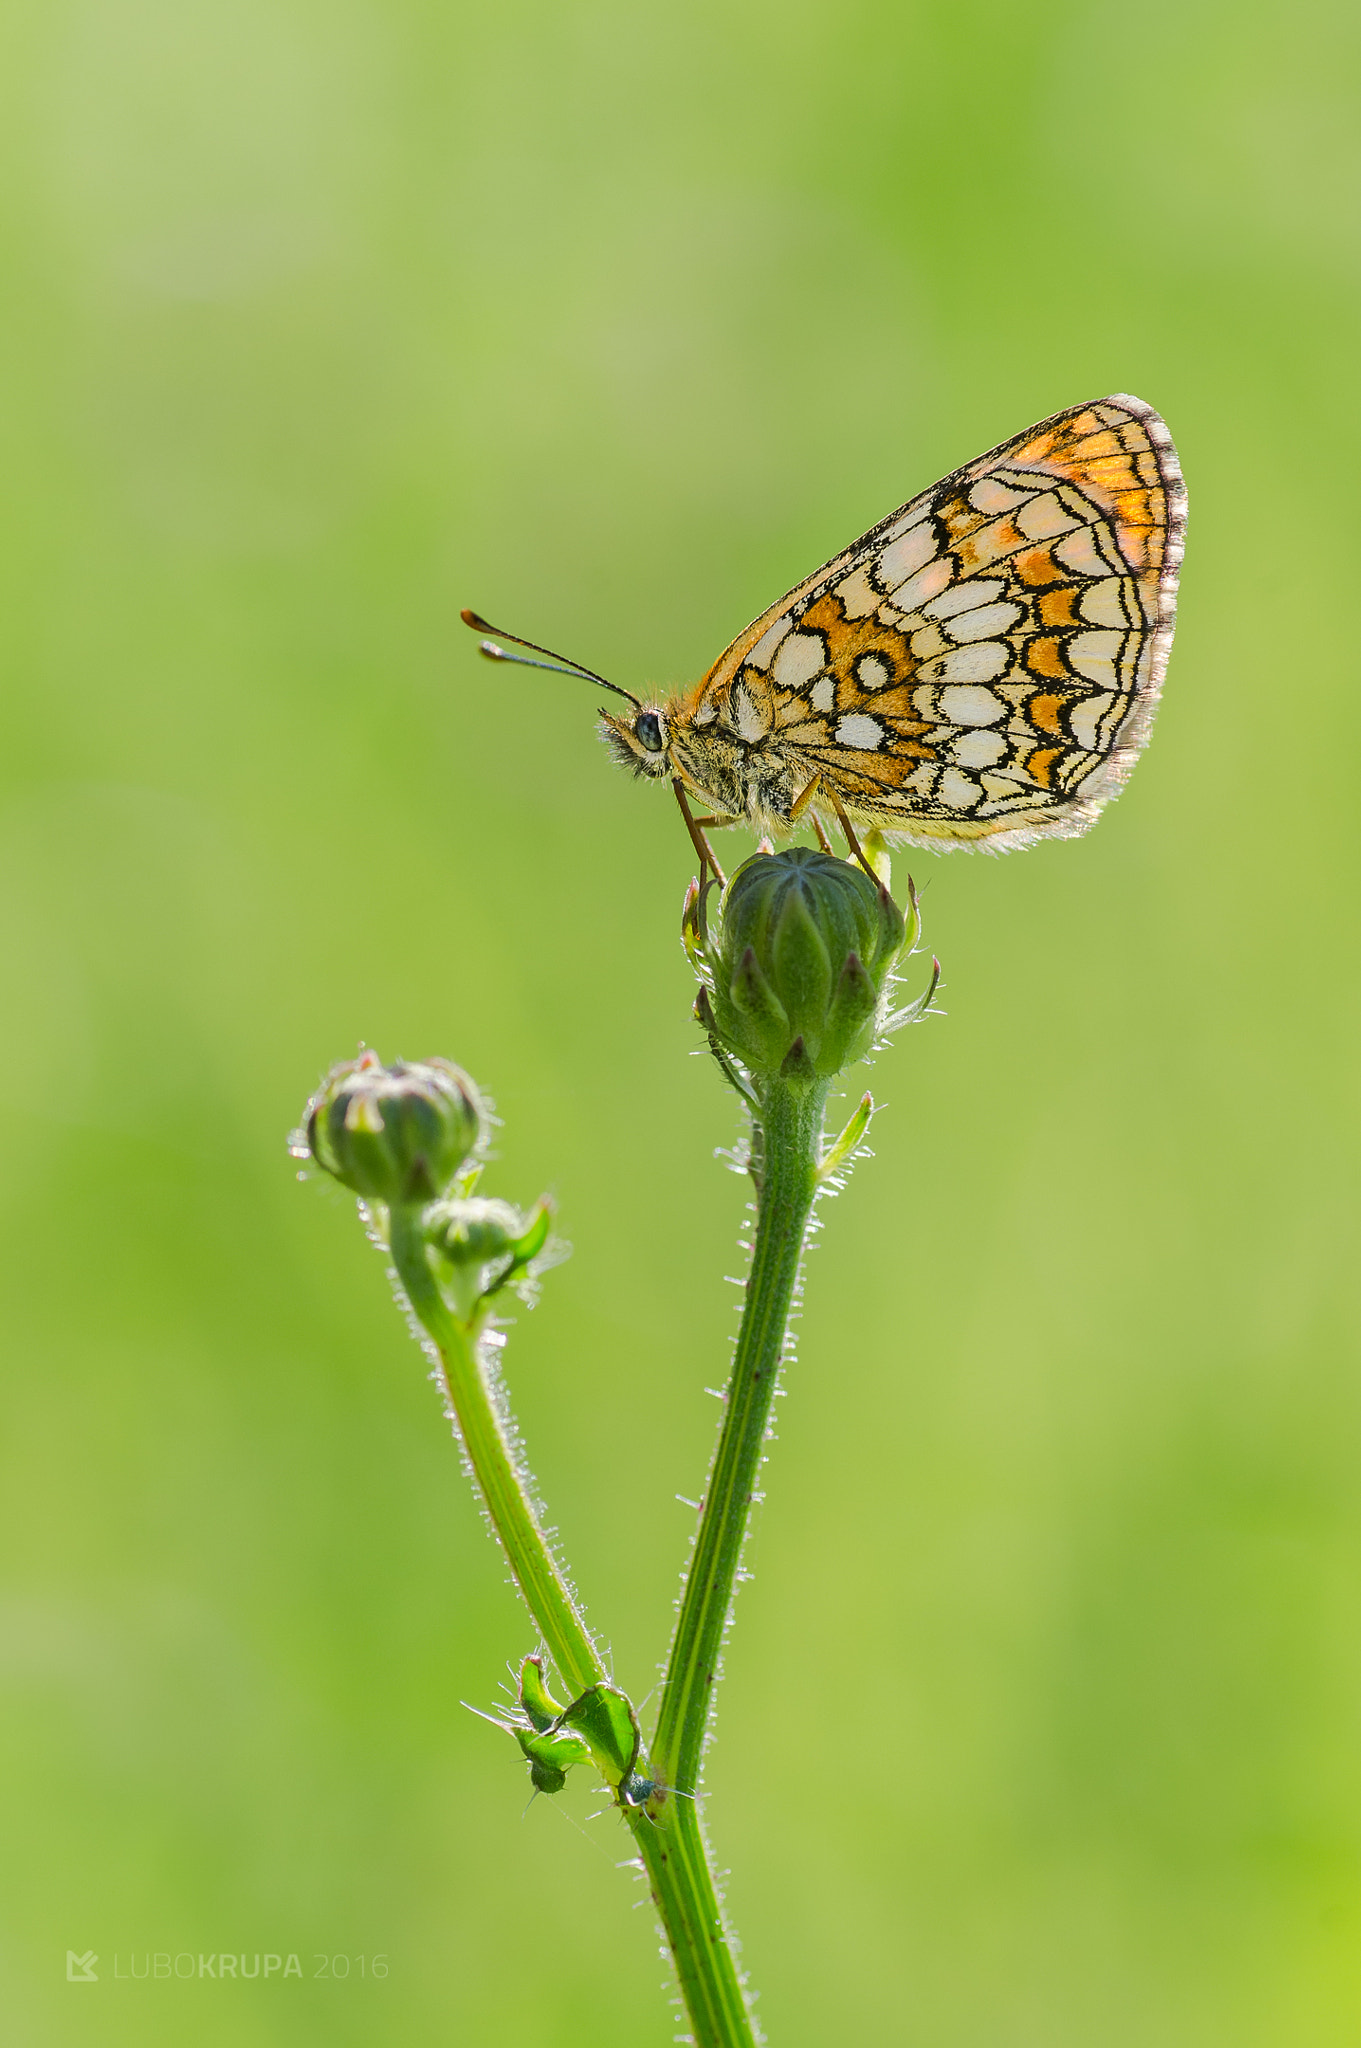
(557, 664)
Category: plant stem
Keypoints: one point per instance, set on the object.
(675, 1860)
(673, 1856)
(790, 1135)
(547, 1594)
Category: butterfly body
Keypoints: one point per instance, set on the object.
(979, 669)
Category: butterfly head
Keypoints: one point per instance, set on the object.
(641, 741)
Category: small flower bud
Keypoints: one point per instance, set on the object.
(474, 1232)
(398, 1133)
(481, 1245)
(798, 963)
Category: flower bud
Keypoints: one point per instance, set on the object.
(480, 1245)
(798, 964)
(395, 1134)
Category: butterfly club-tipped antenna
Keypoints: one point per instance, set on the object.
(556, 664)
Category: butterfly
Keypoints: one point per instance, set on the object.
(980, 669)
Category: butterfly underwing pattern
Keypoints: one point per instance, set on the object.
(979, 669)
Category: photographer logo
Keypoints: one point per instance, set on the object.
(164, 1967)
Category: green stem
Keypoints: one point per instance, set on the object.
(673, 1855)
(790, 1135)
(675, 1860)
(547, 1593)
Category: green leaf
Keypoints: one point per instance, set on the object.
(914, 1012)
(551, 1756)
(606, 1722)
(538, 1703)
(856, 1126)
(536, 1235)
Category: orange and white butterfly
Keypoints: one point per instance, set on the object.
(980, 669)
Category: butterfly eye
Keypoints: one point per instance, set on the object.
(647, 729)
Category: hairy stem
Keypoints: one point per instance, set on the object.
(789, 1134)
(675, 1860)
(673, 1856)
(547, 1593)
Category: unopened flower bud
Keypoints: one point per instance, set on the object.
(798, 963)
(395, 1134)
(472, 1232)
(481, 1245)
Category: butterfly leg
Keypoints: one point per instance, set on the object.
(857, 850)
(803, 799)
(801, 803)
(697, 839)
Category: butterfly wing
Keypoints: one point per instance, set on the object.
(983, 665)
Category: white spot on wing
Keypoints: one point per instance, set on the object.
(1043, 517)
(1085, 717)
(979, 749)
(912, 515)
(822, 696)
(1103, 603)
(980, 663)
(970, 704)
(803, 656)
(960, 792)
(913, 595)
(985, 623)
(1094, 655)
(905, 555)
(966, 596)
(1078, 553)
(872, 672)
(762, 653)
(859, 731)
(857, 594)
(990, 496)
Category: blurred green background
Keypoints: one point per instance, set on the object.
(1043, 1718)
